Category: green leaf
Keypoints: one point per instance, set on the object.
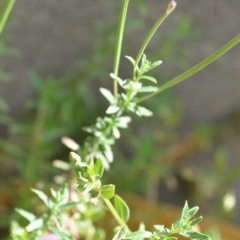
(143, 61)
(43, 197)
(118, 79)
(195, 221)
(108, 95)
(148, 89)
(151, 79)
(69, 205)
(36, 224)
(121, 208)
(195, 235)
(141, 234)
(107, 191)
(155, 64)
(112, 109)
(120, 233)
(54, 193)
(98, 168)
(29, 216)
(176, 224)
(162, 229)
(131, 60)
(122, 122)
(192, 211)
(142, 111)
(188, 213)
(108, 153)
(104, 160)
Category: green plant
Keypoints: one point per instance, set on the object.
(70, 211)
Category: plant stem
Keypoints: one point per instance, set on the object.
(118, 48)
(194, 69)
(114, 212)
(150, 35)
(6, 13)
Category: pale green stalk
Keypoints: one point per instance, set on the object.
(150, 35)
(119, 44)
(194, 69)
(6, 13)
(114, 212)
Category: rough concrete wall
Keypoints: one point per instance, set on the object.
(53, 35)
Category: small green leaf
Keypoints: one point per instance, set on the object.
(108, 95)
(195, 221)
(142, 111)
(29, 216)
(120, 233)
(162, 229)
(154, 65)
(104, 160)
(131, 60)
(195, 235)
(69, 205)
(121, 208)
(176, 224)
(143, 61)
(43, 197)
(188, 213)
(148, 89)
(87, 187)
(118, 79)
(112, 109)
(139, 235)
(108, 153)
(98, 168)
(122, 122)
(107, 191)
(53, 192)
(36, 224)
(151, 79)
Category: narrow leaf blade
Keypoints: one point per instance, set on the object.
(121, 208)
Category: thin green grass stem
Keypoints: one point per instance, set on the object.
(6, 13)
(180, 78)
(118, 48)
(149, 37)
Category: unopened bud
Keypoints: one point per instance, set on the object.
(94, 201)
(75, 157)
(71, 144)
(171, 6)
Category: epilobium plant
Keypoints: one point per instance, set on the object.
(70, 212)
